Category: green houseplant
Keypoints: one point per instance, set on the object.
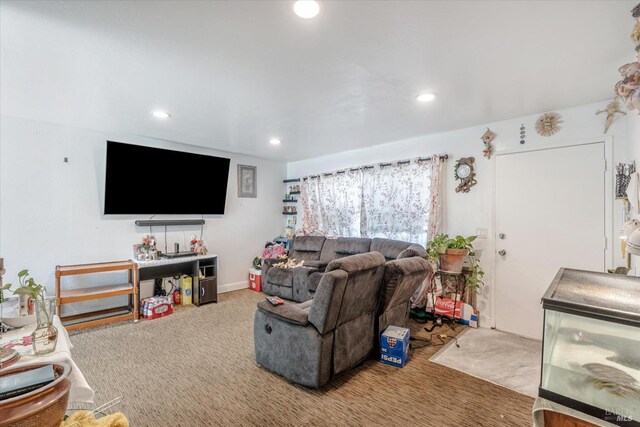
(45, 337)
(451, 254)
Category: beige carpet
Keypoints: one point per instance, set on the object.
(197, 367)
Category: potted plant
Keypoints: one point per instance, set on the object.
(451, 254)
(45, 337)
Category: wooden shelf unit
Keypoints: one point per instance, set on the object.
(69, 296)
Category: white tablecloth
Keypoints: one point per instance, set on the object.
(80, 390)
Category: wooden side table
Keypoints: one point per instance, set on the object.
(105, 316)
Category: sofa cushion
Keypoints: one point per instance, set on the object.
(390, 249)
(313, 281)
(308, 243)
(328, 253)
(346, 246)
(280, 276)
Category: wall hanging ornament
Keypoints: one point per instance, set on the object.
(487, 140)
(548, 124)
(522, 134)
(629, 87)
(612, 109)
(464, 171)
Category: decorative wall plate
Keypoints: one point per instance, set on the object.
(548, 124)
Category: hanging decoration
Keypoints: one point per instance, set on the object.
(629, 87)
(522, 134)
(548, 124)
(487, 140)
(465, 173)
(612, 109)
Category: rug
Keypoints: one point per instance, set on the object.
(501, 358)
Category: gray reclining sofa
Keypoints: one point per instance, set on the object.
(300, 284)
(302, 342)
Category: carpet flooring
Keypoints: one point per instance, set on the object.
(197, 367)
(499, 357)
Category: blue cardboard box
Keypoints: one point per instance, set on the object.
(394, 346)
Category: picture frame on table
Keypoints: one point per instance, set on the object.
(247, 181)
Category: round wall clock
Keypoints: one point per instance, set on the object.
(464, 171)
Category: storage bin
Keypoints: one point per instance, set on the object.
(255, 280)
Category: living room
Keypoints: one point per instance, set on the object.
(274, 184)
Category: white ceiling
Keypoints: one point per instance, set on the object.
(235, 73)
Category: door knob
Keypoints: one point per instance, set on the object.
(502, 252)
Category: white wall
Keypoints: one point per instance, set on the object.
(51, 212)
(633, 127)
(464, 213)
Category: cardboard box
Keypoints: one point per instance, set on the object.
(445, 307)
(255, 279)
(469, 316)
(394, 346)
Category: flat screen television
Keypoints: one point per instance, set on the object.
(150, 181)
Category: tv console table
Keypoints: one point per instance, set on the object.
(204, 290)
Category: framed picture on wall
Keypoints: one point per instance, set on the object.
(247, 181)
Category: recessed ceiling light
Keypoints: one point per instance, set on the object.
(161, 115)
(306, 9)
(275, 141)
(426, 97)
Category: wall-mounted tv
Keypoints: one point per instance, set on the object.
(150, 181)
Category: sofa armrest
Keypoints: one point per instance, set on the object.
(316, 264)
(414, 250)
(291, 313)
(406, 266)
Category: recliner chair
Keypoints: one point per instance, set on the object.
(309, 343)
(402, 278)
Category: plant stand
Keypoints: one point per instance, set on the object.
(451, 282)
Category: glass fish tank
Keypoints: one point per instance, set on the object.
(591, 345)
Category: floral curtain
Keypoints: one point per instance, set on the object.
(396, 201)
(401, 200)
(332, 203)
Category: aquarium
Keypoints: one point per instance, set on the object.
(591, 345)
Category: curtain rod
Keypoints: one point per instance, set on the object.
(442, 157)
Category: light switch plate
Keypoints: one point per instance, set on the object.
(481, 233)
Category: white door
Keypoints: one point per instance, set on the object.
(550, 213)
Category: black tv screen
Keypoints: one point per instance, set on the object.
(151, 181)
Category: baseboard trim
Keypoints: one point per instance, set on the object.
(229, 287)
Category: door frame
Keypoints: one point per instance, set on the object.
(608, 203)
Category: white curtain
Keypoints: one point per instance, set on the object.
(397, 201)
(332, 203)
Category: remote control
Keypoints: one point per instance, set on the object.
(275, 301)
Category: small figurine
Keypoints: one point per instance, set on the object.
(201, 248)
(612, 109)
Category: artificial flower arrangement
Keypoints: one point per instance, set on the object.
(271, 250)
(146, 249)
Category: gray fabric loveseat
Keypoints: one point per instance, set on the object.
(300, 284)
(310, 342)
